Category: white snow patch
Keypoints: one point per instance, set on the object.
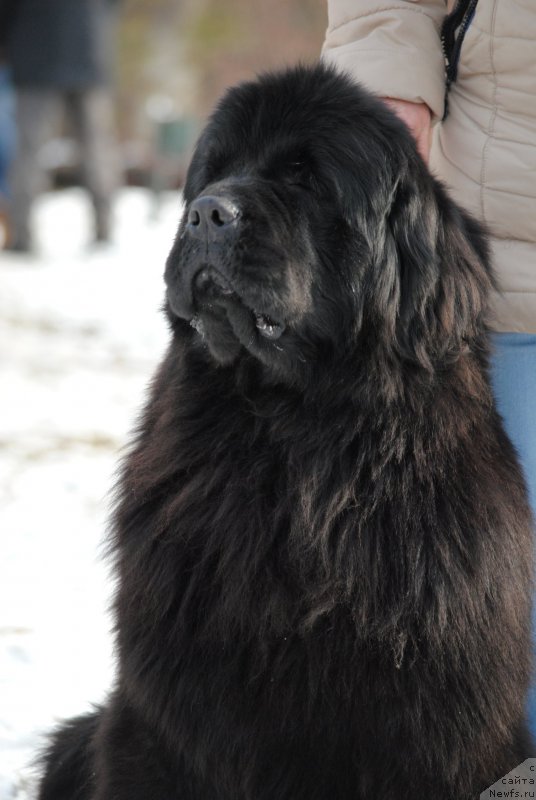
(80, 336)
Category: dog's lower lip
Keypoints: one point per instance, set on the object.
(267, 327)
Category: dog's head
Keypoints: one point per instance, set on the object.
(312, 226)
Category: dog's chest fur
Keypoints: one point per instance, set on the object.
(259, 600)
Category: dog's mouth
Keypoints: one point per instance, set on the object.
(268, 327)
(213, 293)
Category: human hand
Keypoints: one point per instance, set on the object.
(418, 118)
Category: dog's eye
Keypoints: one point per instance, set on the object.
(297, 173)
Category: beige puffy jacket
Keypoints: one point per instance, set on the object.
(485, 151)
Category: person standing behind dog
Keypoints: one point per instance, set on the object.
(483, 146)
(59, 52)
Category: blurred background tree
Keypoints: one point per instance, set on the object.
(176, 57)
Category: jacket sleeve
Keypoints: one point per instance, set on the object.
(392, 47)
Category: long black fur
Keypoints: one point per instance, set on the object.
(322, 537)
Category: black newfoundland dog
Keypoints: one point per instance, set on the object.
(322, 539)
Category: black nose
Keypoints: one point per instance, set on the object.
(211, 216)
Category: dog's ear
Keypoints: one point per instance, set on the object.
(439, 271)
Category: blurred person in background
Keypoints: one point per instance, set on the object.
(60, 54)
(484, 149)
(7, 142)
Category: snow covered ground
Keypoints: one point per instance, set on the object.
(80, 335)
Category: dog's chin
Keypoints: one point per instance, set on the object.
(225, 323)
(214, 330)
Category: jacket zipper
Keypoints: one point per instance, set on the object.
(453, 32)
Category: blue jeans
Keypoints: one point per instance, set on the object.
(513, 374)
(7, 127)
